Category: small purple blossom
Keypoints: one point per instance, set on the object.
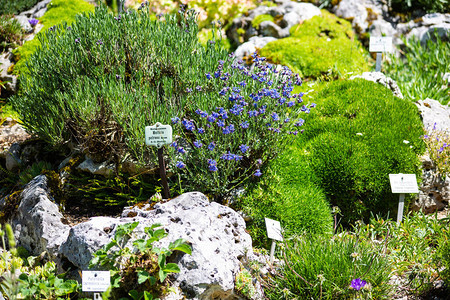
(180, 165)
(211, 146)
(290, 104)
(118, 76)
(300, 122)
(312, 105)
(33, 22)
(99, 42)
(181, 150)
(208, 76)
(201, 130)
(188, 90)
(198, 88)
(175, 120)
(229, 129)
(257, 173)
(244, 148)
(358, 284)
(221, 123)
(244, 124)
(77, 40)
(259, 161)
(252, 113)
(275, 116)
(212, 165)
(197, 144)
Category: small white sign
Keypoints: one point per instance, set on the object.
(158, 135)
(380, 44)
(95, 281)
(403, 183)
(273, 229)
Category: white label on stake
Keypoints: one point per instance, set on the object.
(380, 44)
(273, 229)
(158, 135)
(95, 281)
(403, 183)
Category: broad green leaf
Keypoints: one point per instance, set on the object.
(171, 268)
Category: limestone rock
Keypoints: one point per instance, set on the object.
(434, 191)
(37, 224)
(252, 45)
(355, 11)
(379, 77)
(37, 10)
(13, 157)
(23, 21)
(102, 168)
(268, 28)
(434, 115)
(9, 80)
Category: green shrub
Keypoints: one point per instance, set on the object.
(359, 135)
(419, 73)
(58, 11)
(317, 267)
(10, 32)
(287, 193)
(15, 6)
(443, 258)
(324, 46)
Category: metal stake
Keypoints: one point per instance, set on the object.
(401, 205)
(162, 172)
(378, 63)
(272, 251)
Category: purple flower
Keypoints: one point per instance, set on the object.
(188, 90)
(290, 103)
(252, 113)
(77, 40)
(229, 129)
(358, 284)
(175, 120)
(201, 130)
(33, 22)
(312, 105)
(211, 118)
(198, 144)
(244, 148)
(212, 165)
(174, 144)
(189, 125)
(208, 76)
(259, 161)
(118, 76)
(257, 173)
(228, 156)
(275, 116)
(286, 120)
(118, 18)
(180, 165)
(244, 124)
(242, 83)
(221, 123)
(300, 122)
(198, 88)
(211, 146)
(181, 150)
(99, 42)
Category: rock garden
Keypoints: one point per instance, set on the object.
(276, 112)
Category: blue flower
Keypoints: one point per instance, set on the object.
(212, 165)
(257, 173)
(223, 91)
(228, 156)
(220, 123)
(357, 284)
(211, 118)
(259, 161)
(208, 76)
(312, 105)
(175, 120)
(203, 114)
(244, 148)
(181, 150)
(229, 129)
(174, 144)
(217, 74)
(275, 116)
(188, 90)
(197, 144)
(236, 109)
(290, 104)
(242, 83)
(33, 22)
(211, 146)
(180, 165)
(252, 113)
(201, 130)
(286, 120)
(244, 124)
(198, 88)
(300, 122)
(189, 125)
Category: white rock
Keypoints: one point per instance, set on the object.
(23, 21)
(305, 11)
(354, 10)
(250, 47)
(102, 168)
(434, 115)
(379, 77)
(37, 224)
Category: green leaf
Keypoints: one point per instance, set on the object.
(184, 248)
(143, 276)
(171, 268)
(135, 295)
(148, 296)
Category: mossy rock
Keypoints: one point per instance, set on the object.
(324, 46)
(59, 11)
(261, 18)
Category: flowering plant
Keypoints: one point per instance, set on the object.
(220, 147)
(438, 145)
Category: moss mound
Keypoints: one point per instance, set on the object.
(324, 46)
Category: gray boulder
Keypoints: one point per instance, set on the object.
(434, 115)
(379, 77)
(23, 21)
(9, 80)
(12, 158)
(37, 224)
(355, 11)
(104, 168)
(252, 45)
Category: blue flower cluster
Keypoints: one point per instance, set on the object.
(259, 108)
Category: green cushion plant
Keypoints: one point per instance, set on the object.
(15, 6)
(322, 47)
(359, 135)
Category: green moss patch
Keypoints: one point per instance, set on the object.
(324, 46)
(59, 11)
(261, 18)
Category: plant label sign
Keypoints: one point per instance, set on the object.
(403, 183)
(95, 281)
(273, 229)
(380, 44)
(158, 135)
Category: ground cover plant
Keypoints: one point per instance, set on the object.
(58, 11)
(10, 32)
(16, 6)
(419, 72)
(321, 47)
